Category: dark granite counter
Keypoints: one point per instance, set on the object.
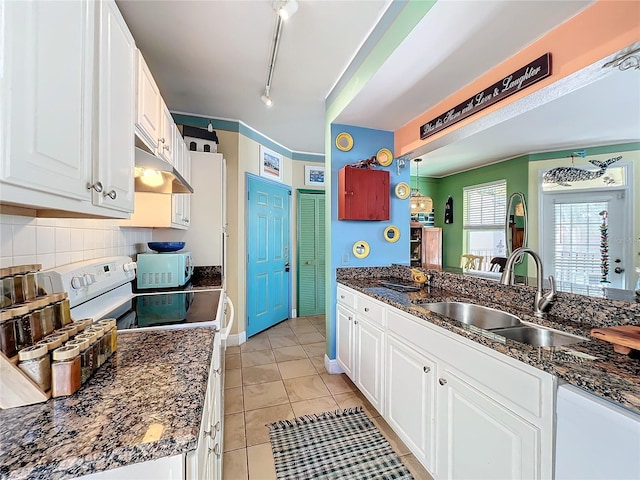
(155, 377)
(591, 365)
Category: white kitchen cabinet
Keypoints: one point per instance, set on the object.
(168, 132)
(411, 399)
(344, 339)
(368, 360)
(52, 74)
(480, 438)
(149, 103)
(181, 202)
(116, 110)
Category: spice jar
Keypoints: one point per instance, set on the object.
(82, 324)
(65, 371)
(102, 347)
(51, 342)
(111, 331)
(62, 312)
(44, 316)
(70, 330)
(93, 350)
(86, 366)
(7, 288)
(8, 344)
(24, 335)
(34, 361)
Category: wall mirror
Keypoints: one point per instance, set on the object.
(516, 222)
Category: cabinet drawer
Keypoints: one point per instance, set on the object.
(372, 310)
(346, 297)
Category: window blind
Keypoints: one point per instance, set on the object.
(484, 206)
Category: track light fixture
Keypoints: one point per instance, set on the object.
(266, 99)
(288, 9)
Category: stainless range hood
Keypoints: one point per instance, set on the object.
(155, 175)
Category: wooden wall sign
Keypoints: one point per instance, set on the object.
(518, 80)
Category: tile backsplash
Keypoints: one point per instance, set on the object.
(58, 241)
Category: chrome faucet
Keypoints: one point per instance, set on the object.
(543, 300)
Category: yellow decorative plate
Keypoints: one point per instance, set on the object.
(384, 157)
(391, 234)
(361, 249)
(403, 190)
(344, 141)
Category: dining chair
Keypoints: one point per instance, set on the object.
(497, 264)
(471, 262)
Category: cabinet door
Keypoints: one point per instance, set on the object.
(186, 198)
(410, 402)
(363, 194)
(148, 106)
(115, 162)
(49, 77)
(368, 361)
(168, 132)
(478, 437)
(344, 339)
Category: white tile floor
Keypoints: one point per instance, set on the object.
(279, 374)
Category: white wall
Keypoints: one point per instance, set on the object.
(58, 241)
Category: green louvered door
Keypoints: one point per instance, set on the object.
(311, 253)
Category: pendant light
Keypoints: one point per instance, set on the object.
(419, 203)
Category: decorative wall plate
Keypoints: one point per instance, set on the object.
(384, 157)
(391, 234)
(361, 249)
(344, 141)
(403, 190)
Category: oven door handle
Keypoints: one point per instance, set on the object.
(227, 330)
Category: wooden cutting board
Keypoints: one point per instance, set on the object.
(623, 338)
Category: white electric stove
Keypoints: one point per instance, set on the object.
(101, 288)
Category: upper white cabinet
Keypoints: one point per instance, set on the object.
(116, 111)
(168, 132)
(63, 104)
(148, 107)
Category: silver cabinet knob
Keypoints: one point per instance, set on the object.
(366, 309)
(442, 381)
(426, 369)
(218, 371)
(350, 318)
(308, 262)
(161, 140)
(342, 297)
(96, 186)
(112, 194)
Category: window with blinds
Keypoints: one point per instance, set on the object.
(576, 254)
(484, 213)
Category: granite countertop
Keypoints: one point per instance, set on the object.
(155, 377)
(591, 365)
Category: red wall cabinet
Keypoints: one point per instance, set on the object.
(363, 194)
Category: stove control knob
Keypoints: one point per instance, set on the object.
(128, 267)
(89, 279)
(77, 283)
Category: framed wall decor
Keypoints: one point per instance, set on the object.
(314, 175)
(270, 164)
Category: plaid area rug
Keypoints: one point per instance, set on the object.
(343, 444)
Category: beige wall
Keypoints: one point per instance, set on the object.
(242, 155)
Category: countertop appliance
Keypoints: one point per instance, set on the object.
(102, 288)
(163, 270)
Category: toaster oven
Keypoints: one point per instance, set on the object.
(163, 270)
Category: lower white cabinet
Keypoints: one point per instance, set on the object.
(344, 339)
(464, 410)
(411, 399)
(368, 363)
(478, 437)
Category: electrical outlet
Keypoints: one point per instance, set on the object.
(345, 258)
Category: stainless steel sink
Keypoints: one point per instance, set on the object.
(538, 336)
(482, 317)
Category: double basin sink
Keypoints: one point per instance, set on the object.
(503, 324)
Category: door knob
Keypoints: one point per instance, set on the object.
(286, 266)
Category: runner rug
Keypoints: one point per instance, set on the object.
(343, 444)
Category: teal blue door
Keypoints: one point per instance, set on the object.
(268, 258)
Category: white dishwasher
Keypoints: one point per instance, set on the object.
(595, 438)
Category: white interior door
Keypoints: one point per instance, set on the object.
(572, 240)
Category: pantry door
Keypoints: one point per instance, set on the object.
(268, 254)
(311, 253)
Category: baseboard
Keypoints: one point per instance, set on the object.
(332, 365)
(294, 313)
(236, 339)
